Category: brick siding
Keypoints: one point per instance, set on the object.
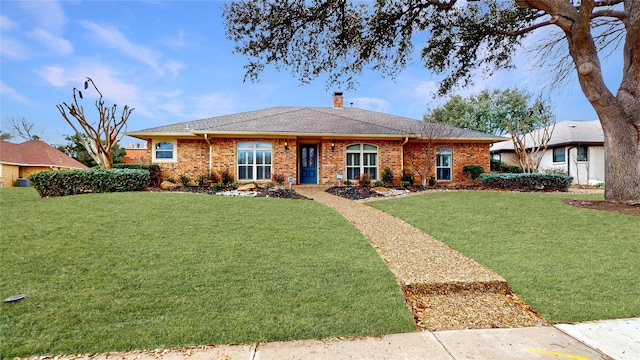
(193, 158)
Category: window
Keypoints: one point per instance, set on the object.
(164, 151)
(254, 161)
(362, 159)
(582, 153)
(443, 163)
(558, 155)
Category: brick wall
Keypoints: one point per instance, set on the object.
(193, 158)
(416, 153)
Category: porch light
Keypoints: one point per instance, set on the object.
(286, 145)
(333, 145)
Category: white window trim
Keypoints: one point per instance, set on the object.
(254, 148)
(361, 152)
(174, 159)
(449, 152)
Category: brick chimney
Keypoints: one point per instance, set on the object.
(337, 101)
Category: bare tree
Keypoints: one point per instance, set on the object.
(530, 146)
(102, 135)
(432, 134)
(24, 129)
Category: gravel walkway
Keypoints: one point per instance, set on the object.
(444, 289)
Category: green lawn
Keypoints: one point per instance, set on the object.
(569, 264)
(122, 271)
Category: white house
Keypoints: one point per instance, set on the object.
(576, 147)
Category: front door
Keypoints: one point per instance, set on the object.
(309, 164)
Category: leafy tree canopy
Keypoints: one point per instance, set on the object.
(341, 38)
(492, 111)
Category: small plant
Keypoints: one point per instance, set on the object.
(170, 179)
(278, 179)
(269, 186)
(432, 180)
(379, 183)
(387, 176)
(598, 185)
(347, 182)
(202, 179)
(217, 186)
(185, 180)
(555, 170)
(405, 184)
(365, 180)
(473, 171)
(214, 178)
(226, 178)
(407, 176)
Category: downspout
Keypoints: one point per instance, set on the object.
(206, 138)
(406, 140)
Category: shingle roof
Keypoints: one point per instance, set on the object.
(36, 153)
(307, 121)
(565, 133)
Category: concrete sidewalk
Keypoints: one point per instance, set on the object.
(609, 339)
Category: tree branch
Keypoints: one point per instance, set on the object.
(620, 15)
(551, 21)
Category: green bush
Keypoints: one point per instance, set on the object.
(217, 186)
(226, 178)
(347, 182)
(407, 176)
(387, 176)
(364, 180)
(405, 184)
(72, 182)
(527, 182)
(203, 179)
(432, 180)
(379, 183)
(501, 166)
(185, 180)
(474, 171)
(154, 171)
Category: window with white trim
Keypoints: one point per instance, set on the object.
(558, 155)
(362, 159)
(582, 153)
(443, 163)
(254, 161)
(165, 151)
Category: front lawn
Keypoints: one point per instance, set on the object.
(569, 264)
(122, 271)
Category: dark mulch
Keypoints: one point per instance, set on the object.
(604, 206)
(352, 192)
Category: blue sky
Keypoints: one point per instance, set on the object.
(171, 61)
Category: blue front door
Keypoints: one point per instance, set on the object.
(308, 164)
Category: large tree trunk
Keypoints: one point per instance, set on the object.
(619, 114)
(621, 160)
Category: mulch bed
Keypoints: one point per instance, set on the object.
(604, 206)
(262, 192)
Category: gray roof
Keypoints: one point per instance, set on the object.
(318, 121)
(565, 133)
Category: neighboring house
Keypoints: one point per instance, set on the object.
(18, 161)
(135, 153)
(313, 145)
(576, 147)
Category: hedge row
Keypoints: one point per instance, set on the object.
(527, 182)
(501, 166)
(72, 182)
(154, 171)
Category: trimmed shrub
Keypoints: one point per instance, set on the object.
(527, 182)
(407, 176)
(185, 180)
(387, 176)
(154, 171)
(474, 171)
(72, 182)
(405, 184)
(364, 180)
(226, 178)
(512, 169)
(497, 165)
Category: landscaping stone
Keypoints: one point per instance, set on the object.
(166, 185)
(247, 187)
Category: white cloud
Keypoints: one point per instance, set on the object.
(13, 49)
(177, 42)
(7, 24)
(59, 45)
(111, 37)
(6, 90)
(208, 105)
(48, 14)
(369, 103)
